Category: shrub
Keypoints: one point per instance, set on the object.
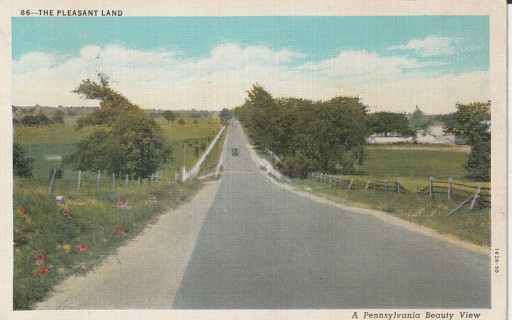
(22, 164)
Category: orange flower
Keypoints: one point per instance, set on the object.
(22, 211)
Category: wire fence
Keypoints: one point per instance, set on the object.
(84, 183)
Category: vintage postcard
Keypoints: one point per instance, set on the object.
(254, 160)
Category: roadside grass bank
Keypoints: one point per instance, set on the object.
(54, 239)
(412, 165)
(210, 163)
(473, 226)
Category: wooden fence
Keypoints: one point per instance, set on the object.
(338, 182)
(435, 188)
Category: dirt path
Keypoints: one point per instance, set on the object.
(144, 274)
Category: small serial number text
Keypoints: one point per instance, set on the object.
(496, 260)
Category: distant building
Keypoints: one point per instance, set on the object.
(433, 135)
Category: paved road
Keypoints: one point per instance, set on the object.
(263, 247)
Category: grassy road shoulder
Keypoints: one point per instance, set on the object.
(54, 239)
(412, 165)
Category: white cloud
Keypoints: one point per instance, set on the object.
(371, 66)
(430, 46)
(167, 80)
(35, 61)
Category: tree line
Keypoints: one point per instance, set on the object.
(329, 136)
(307, 135)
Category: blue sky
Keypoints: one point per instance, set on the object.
(391, 63)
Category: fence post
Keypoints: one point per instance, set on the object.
(398, 186)
(79, 180)
(475, 197)
(138, 181)
(50, 188)
(431, 187)
(126, 180)
(386, 185)
(350, 184)
(459, 206)
(98, 179)
(367, 184)
(113, 180)
(450, 188)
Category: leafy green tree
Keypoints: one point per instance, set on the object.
(169, 115)
(390, 123)
(472, 123)
(307, 135)
(39, 119)
(58, 117)
(417, 113)
(418, 120)
(445, 119)
(260, 106)
(181, 121)
(112, 104)
(225, 115)
(127, 140)
(22, 164)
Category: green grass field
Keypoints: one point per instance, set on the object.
(55, 239)
(413, 165)
(406, 162)
(188, 141)
(42, 142)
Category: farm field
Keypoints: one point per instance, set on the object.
(57, 238)
(413, 165)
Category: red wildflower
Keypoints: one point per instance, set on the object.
(120, 230)
(83, 248)
(39, 272)
(123, 204)
(41, 259)
(43, 270)
(22, 211)
(66, 214)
